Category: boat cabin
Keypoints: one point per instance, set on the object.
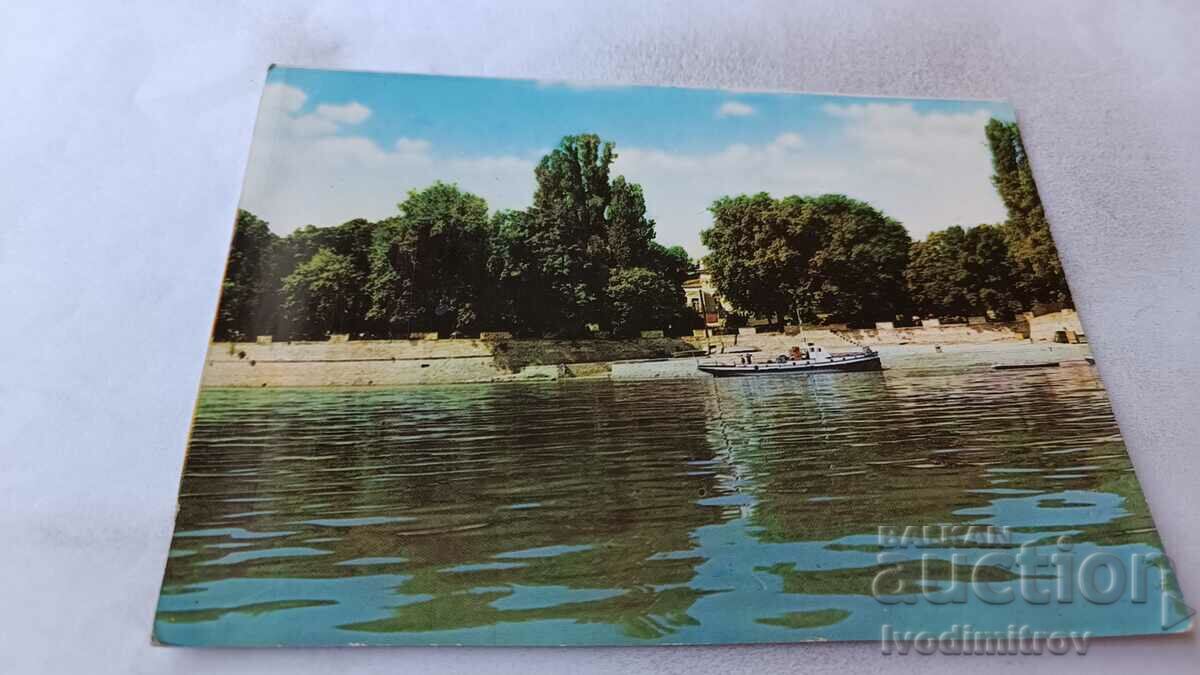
(809, 353)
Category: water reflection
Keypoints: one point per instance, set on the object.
(605, 512)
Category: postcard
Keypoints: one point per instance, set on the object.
(504, 362)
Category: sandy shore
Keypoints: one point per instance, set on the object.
(403, 362)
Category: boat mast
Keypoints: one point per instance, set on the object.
(800, 322)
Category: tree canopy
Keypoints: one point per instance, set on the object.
(583, 255)
(857, 272)
(962, 272)
(320, 295)
(557, 262)
(428, 265)
(630, 234)
(936, 275)
(639, 299)
(246, 276)
(828, 255)
(1040, 272)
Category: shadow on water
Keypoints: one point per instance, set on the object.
(604, 512)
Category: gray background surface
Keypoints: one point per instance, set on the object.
(123, 139)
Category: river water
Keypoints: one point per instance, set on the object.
(641, 512)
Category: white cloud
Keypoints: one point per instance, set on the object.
(349, 113)
(282, 98)
(927, 170)
(411, 146)
(734, 109)
(899, 131)
(297, 179)
(310, 125)
(791, 140)
(279, 107)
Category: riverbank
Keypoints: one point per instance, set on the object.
(956, 334)
(369, 363)
(400, 362)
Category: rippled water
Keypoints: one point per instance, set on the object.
(593, 512)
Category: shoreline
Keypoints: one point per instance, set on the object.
(386, 363)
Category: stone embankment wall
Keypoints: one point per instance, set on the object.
(363, 363)
(397, 362)
(848, 339)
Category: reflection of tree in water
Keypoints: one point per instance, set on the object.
(582, 484)
(831, 457)
(585, 501)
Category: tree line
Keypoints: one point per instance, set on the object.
(583, 257)
(580, 258)
(835, 259)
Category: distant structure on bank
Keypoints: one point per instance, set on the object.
(702, 297)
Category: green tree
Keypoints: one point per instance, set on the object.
(641, 299)
(351, 239)
(441, 264)
(247, 278)
(936, 276)
(760, 249)
(1035, 257)
(556, 274)
(318, 295)
(391, 286)
(990, 278)
(828, 254)
(568, 231)
(675, 266)
(857, 271)
(672, 262)
(630, 233)
(962, 272)
(515, 297)
(428, 266)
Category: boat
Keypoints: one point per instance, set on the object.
(801, 362)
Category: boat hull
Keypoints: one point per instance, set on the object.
(850, 364)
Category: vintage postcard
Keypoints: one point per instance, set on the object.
(506, 362)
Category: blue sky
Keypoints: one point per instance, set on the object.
(331, 145)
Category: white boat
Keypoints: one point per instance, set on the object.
(811, 360)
